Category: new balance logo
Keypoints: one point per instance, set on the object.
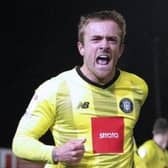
(83, 105)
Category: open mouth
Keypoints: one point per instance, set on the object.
(102, 60)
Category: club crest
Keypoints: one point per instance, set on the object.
(126, 105)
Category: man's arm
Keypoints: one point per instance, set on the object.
(26, 142)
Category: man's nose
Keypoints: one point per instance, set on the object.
(104, 43)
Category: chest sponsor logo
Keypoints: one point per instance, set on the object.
(126, 105)
(107, 134)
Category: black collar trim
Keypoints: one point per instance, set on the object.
(96, 84)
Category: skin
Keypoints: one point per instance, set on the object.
(71, 152)
(161, 139)
(101, 39)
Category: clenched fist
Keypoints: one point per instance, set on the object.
(70, 153)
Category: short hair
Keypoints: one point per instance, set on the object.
(99, 16)
(160, 126)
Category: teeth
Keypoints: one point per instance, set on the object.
(103, 56)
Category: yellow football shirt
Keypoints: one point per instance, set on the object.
(73, 107)
(138, 161)
(153, 155)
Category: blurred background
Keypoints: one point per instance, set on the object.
(39, 41)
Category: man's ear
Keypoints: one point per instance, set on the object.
(80, 48)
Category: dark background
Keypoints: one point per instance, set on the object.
(39, 41)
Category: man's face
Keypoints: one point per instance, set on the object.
(101, 50)
(165, 140)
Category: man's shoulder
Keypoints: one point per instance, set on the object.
(133, 78)
(56, 81)
(131, 75)
(60, 76)
(148, 144)
(146, 148)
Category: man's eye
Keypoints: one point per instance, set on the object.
(113, 39)
(95, 39)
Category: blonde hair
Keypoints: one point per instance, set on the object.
(99, 16)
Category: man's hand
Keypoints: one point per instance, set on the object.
(70, 153)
